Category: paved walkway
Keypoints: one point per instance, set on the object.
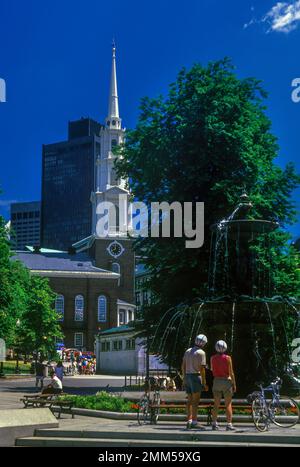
(12, 390)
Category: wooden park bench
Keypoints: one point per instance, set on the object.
(51, 401)
(34, 400)
(62, 406)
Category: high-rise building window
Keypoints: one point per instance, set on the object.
(79, 307)
(102, 309)
(60, 307)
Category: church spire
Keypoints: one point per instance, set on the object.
(113, 104)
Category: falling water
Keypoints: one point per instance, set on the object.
(168, 329)
(158, 326)
(192, 330)
(232, 326)
(273, 335)
(286, 339)
(222, 234)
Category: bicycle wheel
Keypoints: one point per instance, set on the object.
(260, 414)
(284, 412)
(155, 411)
(144, 412)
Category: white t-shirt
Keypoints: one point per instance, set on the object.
(194, 358)
(56, 383)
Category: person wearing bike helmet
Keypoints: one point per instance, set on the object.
(193, 370)
(223, 385)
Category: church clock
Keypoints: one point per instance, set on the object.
(115, 249)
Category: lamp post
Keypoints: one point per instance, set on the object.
(147, 358)
(17, 369)
(148, 345)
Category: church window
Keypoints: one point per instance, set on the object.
(102, 309)
(60, 307)
(79, 307)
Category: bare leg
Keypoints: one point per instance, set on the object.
(217, 401)
(189, 407)
(195, 403)
(228, 405)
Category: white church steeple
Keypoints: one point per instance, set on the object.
(113, 118)
(109, 188)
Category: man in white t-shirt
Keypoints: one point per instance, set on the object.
(55, 387)
(193, 370)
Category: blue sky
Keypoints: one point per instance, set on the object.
(55, 57)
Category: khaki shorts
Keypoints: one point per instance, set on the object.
(222, 387)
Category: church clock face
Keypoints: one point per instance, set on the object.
(115, 249)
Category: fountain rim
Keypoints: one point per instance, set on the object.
(272, 225)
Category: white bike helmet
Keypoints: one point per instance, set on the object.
(201, 340)
(221, 346)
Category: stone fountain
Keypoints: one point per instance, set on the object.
(241, 308)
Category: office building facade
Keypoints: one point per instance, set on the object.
(25, 224)
(67, 182)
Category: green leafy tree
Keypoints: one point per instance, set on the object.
(12, 295)
(207, 140)
(28, 320)
(39, 327)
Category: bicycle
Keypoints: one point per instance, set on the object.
(282, 412)
(147, 414)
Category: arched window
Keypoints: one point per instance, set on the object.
(79, 307)
(102, 309)
(60, 307)
(115, 267)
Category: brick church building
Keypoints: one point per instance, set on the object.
(94, 276)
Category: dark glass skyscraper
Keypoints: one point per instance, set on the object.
(67, 183)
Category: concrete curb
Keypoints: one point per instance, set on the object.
(105, 414)
(159, 435)
(163, 417)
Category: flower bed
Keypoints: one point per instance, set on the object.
(103, 401)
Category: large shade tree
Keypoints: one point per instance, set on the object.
(208, 140)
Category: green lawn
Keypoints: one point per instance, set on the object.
(10, 366)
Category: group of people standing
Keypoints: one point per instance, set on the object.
(224, 385)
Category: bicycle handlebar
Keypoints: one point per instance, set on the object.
(277, 382)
